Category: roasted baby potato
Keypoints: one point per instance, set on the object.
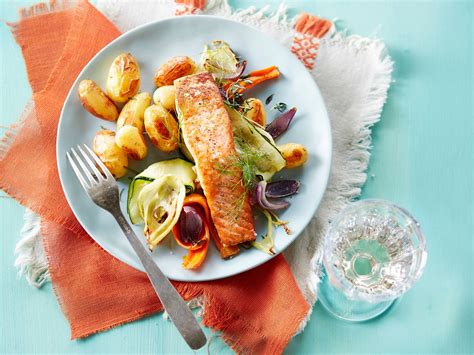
(132, 112)
(173, 69)
(165, 96)
(294, 154)
(131, 140)
(123, 81)
(255, 111)
(162, 128)
(96, 102)
(114, 158)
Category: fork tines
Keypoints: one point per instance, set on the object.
(88, 173)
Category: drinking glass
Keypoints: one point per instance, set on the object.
(374, 252)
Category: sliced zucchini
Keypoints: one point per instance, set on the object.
(178, 168)
(248, 136)
(136, 185)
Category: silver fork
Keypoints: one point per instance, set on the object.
(103, 190)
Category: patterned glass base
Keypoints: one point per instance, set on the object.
(336, 303)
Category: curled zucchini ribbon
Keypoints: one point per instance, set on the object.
(160, 204)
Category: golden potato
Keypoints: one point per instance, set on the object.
(162, 128)
(294, 154)
(96, 102)
(165, 96)
(131, 140)
(114, 158)
(173, 69)
(132, 112)
(123, 81)
(255, 111)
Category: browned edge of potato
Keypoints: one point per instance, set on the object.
(133, 111)
(113, 157)
(173, 69)
(162, 128)
(131, 140)
(130, 126)
(96, 102)
(295, 154)
(123, 80)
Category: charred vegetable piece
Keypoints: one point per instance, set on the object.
(281, 124)
(219, 60)
(282, 188)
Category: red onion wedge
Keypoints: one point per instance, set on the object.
(239, 70)
(191, 226)
(282, 188)
(281, 124)
(264, 202)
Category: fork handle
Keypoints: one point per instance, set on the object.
(172, 302)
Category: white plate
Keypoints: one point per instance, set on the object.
(153, 44)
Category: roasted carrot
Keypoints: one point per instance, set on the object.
(252, 79)
(264, 71)
(258, 77)
(195, 257)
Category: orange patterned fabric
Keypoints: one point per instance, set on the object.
(189, 7)
(309, 30)
(257, 312)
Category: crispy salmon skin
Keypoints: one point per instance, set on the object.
(206, 130)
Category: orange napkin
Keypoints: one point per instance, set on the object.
(257, 311)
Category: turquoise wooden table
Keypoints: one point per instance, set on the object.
(422, 159)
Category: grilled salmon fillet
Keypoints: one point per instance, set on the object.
(206, 130)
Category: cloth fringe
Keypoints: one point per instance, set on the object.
(31, 260)
(11, 131)
(45, 8)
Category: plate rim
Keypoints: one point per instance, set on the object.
(265, 258)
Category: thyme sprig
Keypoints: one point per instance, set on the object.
(281, 106)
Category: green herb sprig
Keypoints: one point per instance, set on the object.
(281, 106)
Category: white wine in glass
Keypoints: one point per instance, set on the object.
(374, 251)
